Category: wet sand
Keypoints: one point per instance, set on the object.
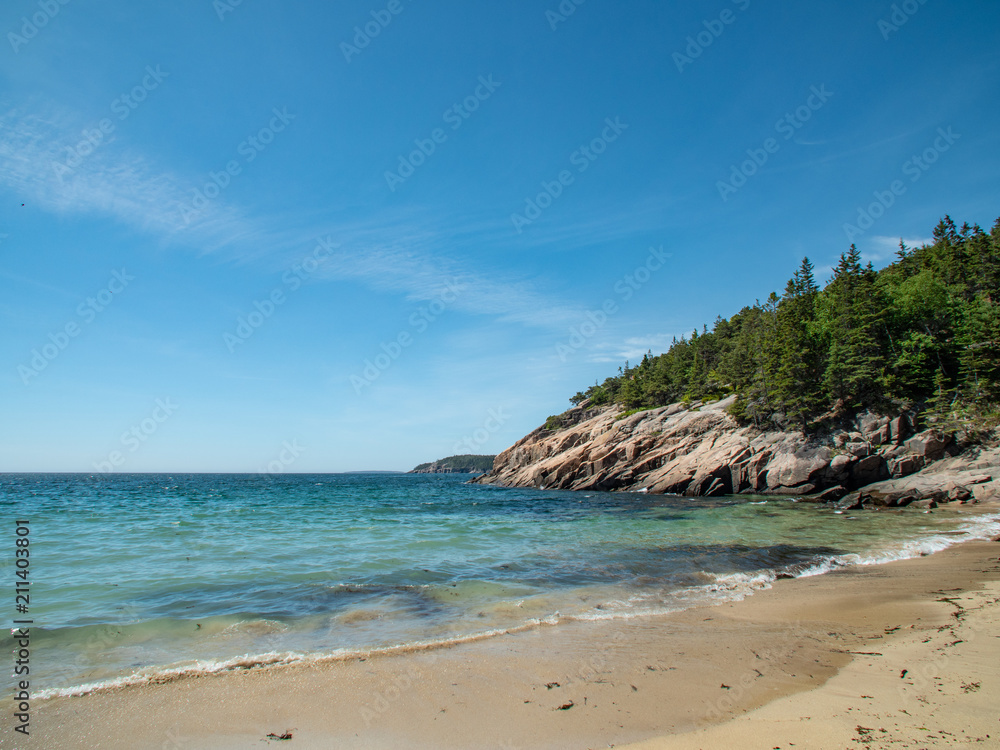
(812, 661)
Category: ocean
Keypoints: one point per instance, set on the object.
(137, 577)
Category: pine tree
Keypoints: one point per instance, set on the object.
(854, 322)
(925, 329)
(979, 357)
(800, 361)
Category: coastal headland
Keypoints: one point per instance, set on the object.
(698, 449)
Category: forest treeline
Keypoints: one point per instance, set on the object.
(922, 333)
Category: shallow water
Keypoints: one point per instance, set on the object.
(137, 575)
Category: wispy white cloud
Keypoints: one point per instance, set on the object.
(36, 146)
(422, 276)
(883, 248)
(893, 242)
(857, 148)
(610, 223)
(632, 348)
(394, 253)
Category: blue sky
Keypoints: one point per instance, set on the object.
(235, 215)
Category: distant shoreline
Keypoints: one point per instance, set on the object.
(463, 464)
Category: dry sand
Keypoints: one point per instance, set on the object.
(922, 688)
(793, 666)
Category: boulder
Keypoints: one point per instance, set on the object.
(859, 449)
(868, 470)
(905, 465)
(890, 499)
(850, 502)
(959, 494)
(756, 477)
(899, 428)
(928, 444)
(710, 484)
(894, 451)
(838, 471)
(879, 436)
(800, 490)
(988, 492)
(831, 495)
(868, 422)
(924, 504)
(715, 488)
(794, 469)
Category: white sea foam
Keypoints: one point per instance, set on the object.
(737, 586)
(156, 675)
(980, 529)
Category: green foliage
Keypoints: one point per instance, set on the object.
(459, 464)
(553, 423)
(923, 330)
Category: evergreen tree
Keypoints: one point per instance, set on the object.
(800, 365)
(924, 330)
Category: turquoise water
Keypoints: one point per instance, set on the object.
(134, 576)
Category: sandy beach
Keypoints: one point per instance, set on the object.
(897, 655)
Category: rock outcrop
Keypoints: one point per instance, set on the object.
(699, 450)
(966, 478)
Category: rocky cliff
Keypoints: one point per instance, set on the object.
(699, 450)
